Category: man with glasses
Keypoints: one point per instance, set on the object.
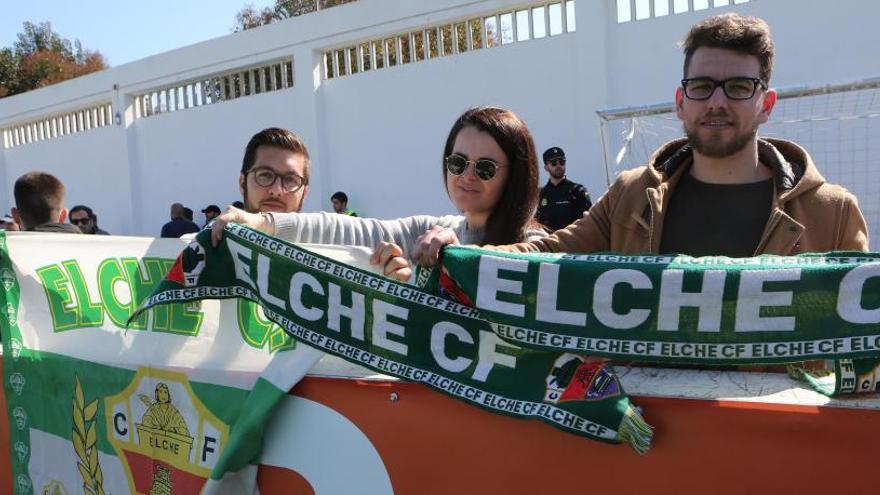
(722, 190)
(83, 217)
(561, 201)
(274, 172)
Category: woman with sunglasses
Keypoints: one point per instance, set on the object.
(490, 173)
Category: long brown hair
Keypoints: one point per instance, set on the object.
(513, 213)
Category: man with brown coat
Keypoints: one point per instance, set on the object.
(722, 190)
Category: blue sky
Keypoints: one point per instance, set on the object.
(123, 30)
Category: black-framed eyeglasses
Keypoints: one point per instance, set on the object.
(266, 177)
(556, 161)
(735, 88)
(484, 168)
(80, 221)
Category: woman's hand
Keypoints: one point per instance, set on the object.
(426, 250)
(390, 256)
(259, 221)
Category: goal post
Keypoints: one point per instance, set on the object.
(839, 124)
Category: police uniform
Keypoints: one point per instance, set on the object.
(561, 204)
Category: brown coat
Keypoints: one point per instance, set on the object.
(809, 214)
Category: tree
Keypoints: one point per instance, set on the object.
(248, 17)
(41, 57)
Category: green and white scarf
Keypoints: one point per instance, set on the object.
(517, 340)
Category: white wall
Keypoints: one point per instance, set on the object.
(817, 41)
(379, 135)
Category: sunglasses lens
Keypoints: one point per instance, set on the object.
(455, 164)
(485, 169)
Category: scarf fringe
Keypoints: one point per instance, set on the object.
(822, 381)
(635, 431)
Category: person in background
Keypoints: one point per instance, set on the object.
(340, 204)
(8, 223)
(211, 212)
(561, 201)
(39, 204)
(178, 225)
(83, 217)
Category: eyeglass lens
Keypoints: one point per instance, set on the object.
(265, 177)
(735, 88)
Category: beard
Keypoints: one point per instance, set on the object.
(557, 172)
(715, 146)
(255, 207)
(247, 205)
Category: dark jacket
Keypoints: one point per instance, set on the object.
(179, 227)
(561, 204)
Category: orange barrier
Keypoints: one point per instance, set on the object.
(430, 443)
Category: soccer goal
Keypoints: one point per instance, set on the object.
(838, 124)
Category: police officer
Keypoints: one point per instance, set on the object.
(562, 201)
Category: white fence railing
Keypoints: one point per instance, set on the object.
(487, 31)
(637, 10)
(62, 124)
(229, 85)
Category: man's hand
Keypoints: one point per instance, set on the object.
(254, 220)
(426, 250)
(390, 256)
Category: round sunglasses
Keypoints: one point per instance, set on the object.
(484, 168)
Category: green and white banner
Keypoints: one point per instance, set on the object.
(176, 403)
(517, 340)
(403, 331)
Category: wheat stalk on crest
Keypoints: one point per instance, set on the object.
(85, 441)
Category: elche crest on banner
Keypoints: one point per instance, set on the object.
(166, 438)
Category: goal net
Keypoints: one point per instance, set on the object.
(838, 124)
